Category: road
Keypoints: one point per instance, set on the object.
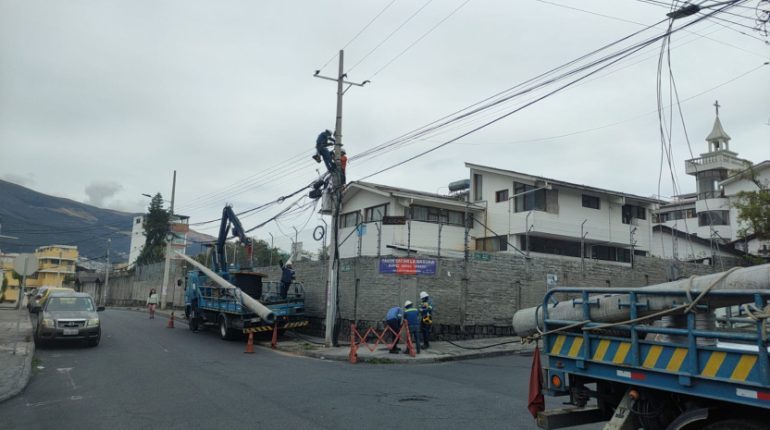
(144, 375)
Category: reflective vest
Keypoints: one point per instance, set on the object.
(427, 313)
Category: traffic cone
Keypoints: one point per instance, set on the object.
(171, 321)
(274, 343)
(250, 345)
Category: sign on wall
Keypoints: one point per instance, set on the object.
(407, 266)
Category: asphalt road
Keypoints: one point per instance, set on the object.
(146, 376)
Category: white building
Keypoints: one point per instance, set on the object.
(549, 216)
(381, 220)
(179, 228)
(709, 213)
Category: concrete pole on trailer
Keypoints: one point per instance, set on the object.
(336, 195)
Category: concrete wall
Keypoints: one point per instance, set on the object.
(473, 299)
(480, 304)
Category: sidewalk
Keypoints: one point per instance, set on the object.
(298, 343)
(16, 350)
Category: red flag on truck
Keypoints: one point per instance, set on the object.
(536, 399)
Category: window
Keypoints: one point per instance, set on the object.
(527, 199)
(629, 212)
(139, 220)
(501, 196)
(708, 183)
(349, 219)
(477, 187)
(590, 202)
(375, 213)
(429, 214)
(496, 243)
(713, 218)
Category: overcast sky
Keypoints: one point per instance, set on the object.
(100, 101)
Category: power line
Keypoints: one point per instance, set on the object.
(359, 33)
(418, 40)
(615, 57)
(391, 34)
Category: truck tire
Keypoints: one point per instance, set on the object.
(225, 332)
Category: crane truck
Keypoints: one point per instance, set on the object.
(684, 355)
(238, 299)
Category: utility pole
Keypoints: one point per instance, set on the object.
(271, 249)
(169, 242)
(332, 295)
(107, 274)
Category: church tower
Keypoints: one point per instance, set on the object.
(711, 168)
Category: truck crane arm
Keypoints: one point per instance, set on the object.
(229, 219)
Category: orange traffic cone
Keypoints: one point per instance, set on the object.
(171, 321)
(250, 345)
(274, 343)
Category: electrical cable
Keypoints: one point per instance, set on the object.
(359, 33)
(614, 57)
(411, 45)
(390, 35)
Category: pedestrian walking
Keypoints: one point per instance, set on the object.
(287, 277)
(412, 317)
(393, 319)
(322, 144)
(152, 302)
(426, 318)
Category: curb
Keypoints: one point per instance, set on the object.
(25, 375)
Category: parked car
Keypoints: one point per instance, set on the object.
(68, 315)
(41, 294)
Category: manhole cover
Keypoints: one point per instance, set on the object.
(413, 399)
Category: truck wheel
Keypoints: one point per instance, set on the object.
(225, 332)
(733, 424)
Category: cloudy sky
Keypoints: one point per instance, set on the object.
(100, 101)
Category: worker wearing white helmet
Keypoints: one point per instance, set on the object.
(426, 318)
(412, 317)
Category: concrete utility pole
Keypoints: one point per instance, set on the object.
(169, 242)
(107, 274)
(336, 194)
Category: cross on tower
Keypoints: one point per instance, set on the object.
(716, 105)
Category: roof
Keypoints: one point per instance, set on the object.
(693, 237)
(389, 191)
(740, 175)
(565, 183)
(717, 132)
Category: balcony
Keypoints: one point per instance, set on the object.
(723, 160)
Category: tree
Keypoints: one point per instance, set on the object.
(754, 211)
(754, 207)
(156, 227)
(323, 253)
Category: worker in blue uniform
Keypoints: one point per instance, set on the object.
(393, 319)
(412, 316)
(322, 144)
(426, 318)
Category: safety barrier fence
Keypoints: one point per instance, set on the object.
(274, 328)
(357, 340)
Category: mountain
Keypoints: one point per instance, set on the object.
(36, 219)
